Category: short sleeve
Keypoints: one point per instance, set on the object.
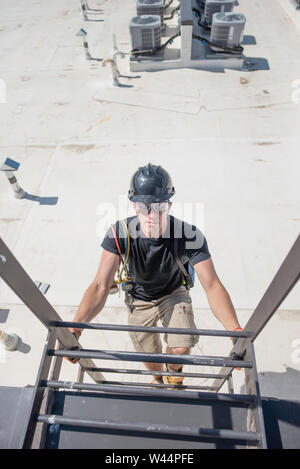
(196, 248)
(109, 241)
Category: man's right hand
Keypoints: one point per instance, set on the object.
(77, 333)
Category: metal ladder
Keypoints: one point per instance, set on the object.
(256, 431)
(241, 356)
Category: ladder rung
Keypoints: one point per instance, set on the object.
(157, 373)
(205, 396)
(151, 428)
(163, 386)
(158, 330)
(152, 357)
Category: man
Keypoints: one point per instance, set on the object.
(156, 250)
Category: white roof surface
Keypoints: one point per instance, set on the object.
(229, 140)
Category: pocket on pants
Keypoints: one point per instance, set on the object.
(182, 317)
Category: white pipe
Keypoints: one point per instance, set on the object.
(114, 69)
(19, 192)
(9, 341)
(115, 53)
(84, 8)
(86, 49)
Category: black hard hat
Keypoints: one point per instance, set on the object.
(150, 184)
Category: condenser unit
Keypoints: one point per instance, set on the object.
(145, 32)
(227, 29)
(216, 6)
(150, 7)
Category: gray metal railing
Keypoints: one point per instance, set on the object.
(241, 356)
(281, 285)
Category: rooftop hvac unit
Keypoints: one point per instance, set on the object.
(216, 6)
(227, 29)
(145, 32)
(150, 7)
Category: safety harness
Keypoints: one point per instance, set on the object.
(189, 275)
(125, 280)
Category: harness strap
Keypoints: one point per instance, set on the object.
(188, 278)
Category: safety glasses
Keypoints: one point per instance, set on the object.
(145, 209)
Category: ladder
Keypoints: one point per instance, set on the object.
(133, 414)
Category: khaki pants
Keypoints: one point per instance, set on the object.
(174, 310)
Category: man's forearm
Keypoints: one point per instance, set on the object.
(91, 304)
(221, 306)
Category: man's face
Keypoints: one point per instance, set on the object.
(153, 217)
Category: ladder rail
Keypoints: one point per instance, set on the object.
(38, 394)
(23, 286)
(255, 421)
(283, 282)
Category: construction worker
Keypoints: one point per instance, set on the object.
(157, 254)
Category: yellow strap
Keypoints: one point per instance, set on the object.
(124, 267)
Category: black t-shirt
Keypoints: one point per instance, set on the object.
(151, 263)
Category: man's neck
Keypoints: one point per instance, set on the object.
(162, 230)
